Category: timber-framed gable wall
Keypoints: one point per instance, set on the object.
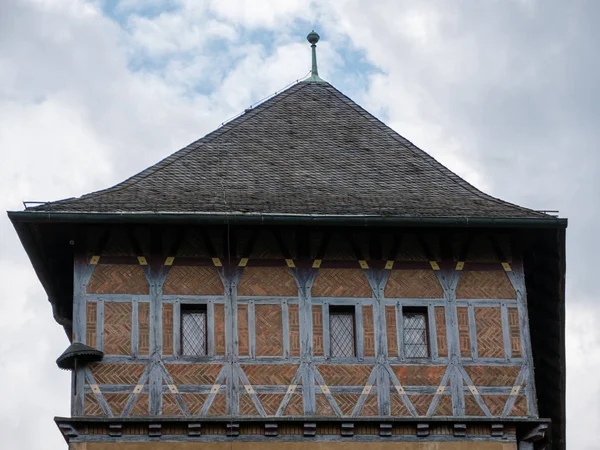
(267, 295)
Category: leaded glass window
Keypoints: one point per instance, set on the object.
(415, 333)
(341, 329)
(193, 330)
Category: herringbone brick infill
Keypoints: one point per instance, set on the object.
(345, 375)
(267, 374)
(267, 281)
(269, 339)
(118, 279)
(194, 374)
(481, 285)
(117, 328)
(193, 280)
(488, 323)
(117, 373)
(341, 283)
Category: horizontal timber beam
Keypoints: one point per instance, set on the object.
(281, 219)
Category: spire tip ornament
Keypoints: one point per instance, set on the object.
(313, 37)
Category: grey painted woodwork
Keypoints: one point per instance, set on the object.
(474, 391)
(156, 274)
(268, 389)
(177, 328)
(134, 395)
(285, 328)
(517, 278)
(326, 332)
(432, 332)
(359, 327)
(472, 331)
(304, 279)
(211, 396)
(82, 275)
(100, 325)
(400, 332)
(210, 330)
(155, 398)
(516, 388)
(289, 391)
(135, 322)
(438, 395)
(230, 277)
(321, 382)
(382, 380)
(167, 378)
(505, 332)
(99, 397)
(290, 438)
(365, 393)
(250, 391)
(251, 329)
(448, 279)
(377, 280)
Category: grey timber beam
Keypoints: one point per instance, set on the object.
(285, 326)
(282, 219)
(156, 273)
(360, 335)
(135, 335)
(517, 279)
(473, 332)
(177, 328)
(252, 329)
(210, 332)
(448, 279)
(99, 397)
(305, 278)
(100, 325)
(432, 332)
(377, 280)
(230, 276)
(82, 274)
(326, 332)
(136, 391)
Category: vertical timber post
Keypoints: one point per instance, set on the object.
(304, 278)
(81, 277)
(230, 276)
(377, 280)
(448, 278)
(156, 273)
(517, 278)
(155, 378)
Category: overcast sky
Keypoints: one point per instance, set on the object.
(505, 93)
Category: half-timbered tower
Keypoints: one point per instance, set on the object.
(304, 277)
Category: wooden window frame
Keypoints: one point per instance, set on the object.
(424, 311)
(193, 308)
(343, 310)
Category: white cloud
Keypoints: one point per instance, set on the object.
(251, 14)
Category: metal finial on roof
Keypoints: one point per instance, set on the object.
(313, 37)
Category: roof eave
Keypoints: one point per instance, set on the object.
(282, 219)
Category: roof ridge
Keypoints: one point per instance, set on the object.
(423, 154)
(184, 151)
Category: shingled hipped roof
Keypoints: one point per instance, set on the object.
(309, 150)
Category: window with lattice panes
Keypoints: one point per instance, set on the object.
(193, 330)
(342, 334)
(416, 333)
